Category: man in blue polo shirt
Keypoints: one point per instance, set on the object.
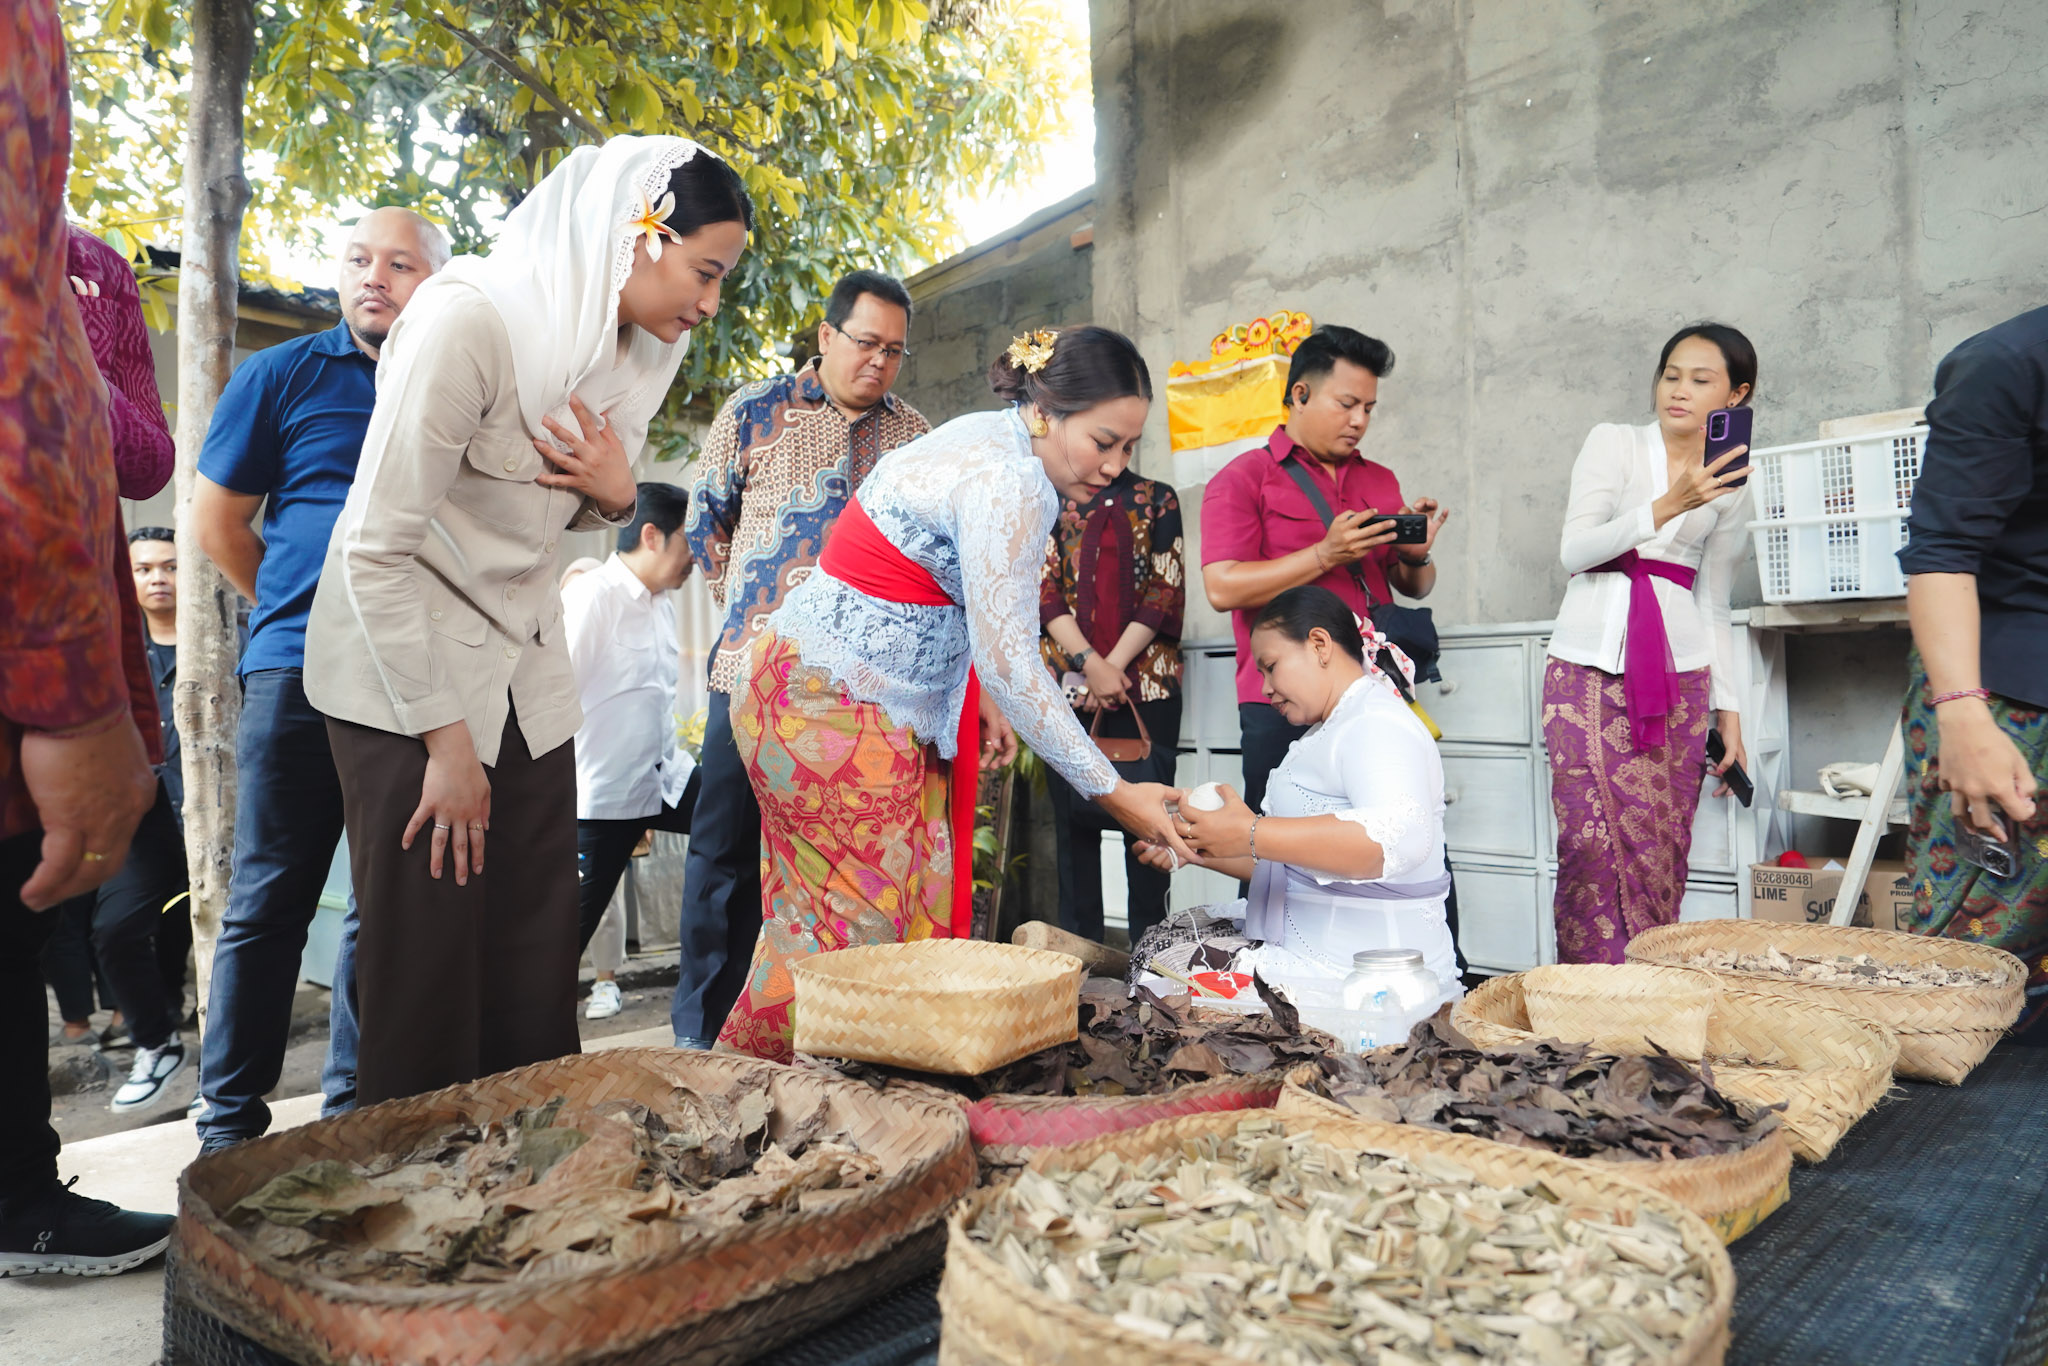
(285, 438)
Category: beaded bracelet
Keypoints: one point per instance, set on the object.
(1981, 694)
(1252, 837)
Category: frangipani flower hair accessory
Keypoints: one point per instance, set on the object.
(650, 223)
(1031, 351)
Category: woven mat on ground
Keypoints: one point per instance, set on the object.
(1924, 1238)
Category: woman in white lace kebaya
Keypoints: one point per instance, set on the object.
(1348, 853)
(907, 658)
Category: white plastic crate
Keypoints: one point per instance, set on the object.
(1831, 515)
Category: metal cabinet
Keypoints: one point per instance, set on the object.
(1498, 828)
(1484, 695)
(1498, 822)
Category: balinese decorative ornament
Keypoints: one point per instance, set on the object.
(1033, 350)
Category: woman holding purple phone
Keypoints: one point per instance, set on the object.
(1642, 656)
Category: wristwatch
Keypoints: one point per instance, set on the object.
(1077, 661)
(1413, 564)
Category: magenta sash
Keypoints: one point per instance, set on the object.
(1649, 678)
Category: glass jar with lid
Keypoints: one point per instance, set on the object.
(1395, 989)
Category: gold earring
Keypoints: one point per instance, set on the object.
(1038, 426)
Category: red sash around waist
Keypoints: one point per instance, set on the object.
(859, 556)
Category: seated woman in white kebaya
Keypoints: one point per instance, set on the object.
(1348, 854)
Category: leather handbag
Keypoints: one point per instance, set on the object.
(1121, 750)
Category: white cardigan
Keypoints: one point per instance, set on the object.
(1620, 472)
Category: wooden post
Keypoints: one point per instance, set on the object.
(208, 701)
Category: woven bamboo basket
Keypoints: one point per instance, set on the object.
(1621, 1007)
(957, 1006)
(1733, 1192)
(724, 1296)
(1943, 1032)
(1008, 1130)
(993, 1320)
(1826, 1068)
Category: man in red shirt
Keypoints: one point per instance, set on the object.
(1261, 535)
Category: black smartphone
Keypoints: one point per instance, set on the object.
(1728, 428)
(1410, 528)
(1738, 781)
(1999, 857)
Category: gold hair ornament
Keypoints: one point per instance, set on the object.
(1033, 350)
(650, 223)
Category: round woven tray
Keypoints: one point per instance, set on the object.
(724, 1296)
(1829, 1067)
(1943, 1032)
(1620, 1007)
(957, 1006)
(992, 1319)
(1733, 1192)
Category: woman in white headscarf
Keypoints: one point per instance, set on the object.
(512, 398)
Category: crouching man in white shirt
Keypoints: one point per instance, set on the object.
(631, 776)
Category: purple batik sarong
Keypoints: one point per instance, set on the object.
(1624, 815)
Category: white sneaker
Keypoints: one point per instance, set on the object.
(153, 1070)
(604, 1001)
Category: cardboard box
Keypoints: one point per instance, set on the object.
(1808, 894)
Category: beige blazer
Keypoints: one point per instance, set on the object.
(439, 600)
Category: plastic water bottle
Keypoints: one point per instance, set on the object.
(1381, 1021)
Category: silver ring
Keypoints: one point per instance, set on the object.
(442, 825)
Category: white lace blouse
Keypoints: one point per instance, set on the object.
(1370, 762)
(971, 505)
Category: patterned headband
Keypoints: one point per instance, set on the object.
(1033, 350)
(1375, 641)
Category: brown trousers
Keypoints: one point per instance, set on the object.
(454, 983)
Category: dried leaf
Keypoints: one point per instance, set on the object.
(1270, 1246)
(555, 1191)
(1563, 1097)
(321, 1190)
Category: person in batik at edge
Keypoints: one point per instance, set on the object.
(908, 657)
(1976, 710)
(1641, 660)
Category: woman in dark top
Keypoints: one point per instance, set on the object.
(1111, 603)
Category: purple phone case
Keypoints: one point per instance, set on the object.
(1733, 426)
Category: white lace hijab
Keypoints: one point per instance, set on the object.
(554, 276)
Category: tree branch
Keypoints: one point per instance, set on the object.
(516, 69)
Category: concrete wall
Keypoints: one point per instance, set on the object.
(1524, 197)
(970, 306)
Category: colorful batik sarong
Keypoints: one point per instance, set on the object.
(1959, 900)
(855, 847)
(1624, 815)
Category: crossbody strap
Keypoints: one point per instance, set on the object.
(1298, 472)
(1302, 480)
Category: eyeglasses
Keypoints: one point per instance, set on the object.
(867, 346)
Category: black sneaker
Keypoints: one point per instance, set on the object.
(57, 1230)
